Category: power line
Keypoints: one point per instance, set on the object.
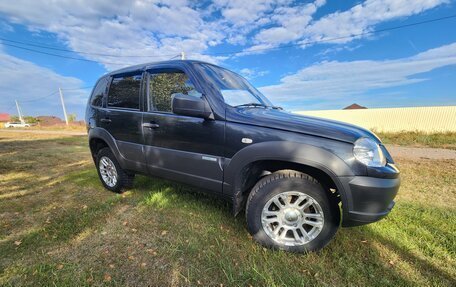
(82, 88)
(178, 55)
(55, 92)
(40, 98)
(337, 38)
(60, 56)
(47, 96)
(81, 52)
(240, 51)
(10, 108)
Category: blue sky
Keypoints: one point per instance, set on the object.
(413, 66)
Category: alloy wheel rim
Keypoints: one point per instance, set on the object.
(292, 218)
(108, 171)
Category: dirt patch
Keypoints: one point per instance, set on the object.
(421, 153)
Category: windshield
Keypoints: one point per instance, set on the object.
(236, 90)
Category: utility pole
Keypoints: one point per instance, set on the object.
(19, 112)
(182, 55)
(63, 106)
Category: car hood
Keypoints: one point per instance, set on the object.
(279, 119)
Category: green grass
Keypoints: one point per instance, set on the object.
(59, 227)
(419, 139)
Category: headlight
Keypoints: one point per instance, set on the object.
(369, 152)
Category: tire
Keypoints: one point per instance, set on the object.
(123, 179)
(299, 197)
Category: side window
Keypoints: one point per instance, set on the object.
(124, 92)
(98, 92)
(163, 85)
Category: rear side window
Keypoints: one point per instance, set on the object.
(98, 93)
(124, 92)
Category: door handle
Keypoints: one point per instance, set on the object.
(150, 125)
(105, 120)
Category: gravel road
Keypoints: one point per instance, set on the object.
(421, 152)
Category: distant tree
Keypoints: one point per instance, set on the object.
(72, 118)
(14, 119)
(30, 120)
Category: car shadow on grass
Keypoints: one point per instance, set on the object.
(427, 270)
(171, 195)
(157, 195)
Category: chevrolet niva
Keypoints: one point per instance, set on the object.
(298, 178)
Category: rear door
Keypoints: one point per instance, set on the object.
(183, 148)
(122, 117)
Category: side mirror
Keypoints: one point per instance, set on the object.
(186, 105)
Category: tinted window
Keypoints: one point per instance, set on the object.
(163, 85)
(98, 93)
(124, 92)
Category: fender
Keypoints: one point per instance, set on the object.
(293, 152)
(130, 162)
(100, 133)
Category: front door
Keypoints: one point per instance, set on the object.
(182, 148)
(122, 118)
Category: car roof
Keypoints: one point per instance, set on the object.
(151, 64)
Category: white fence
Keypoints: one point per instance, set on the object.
(423, 119)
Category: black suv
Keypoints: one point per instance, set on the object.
(299, 178)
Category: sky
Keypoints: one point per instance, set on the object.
(303, 55)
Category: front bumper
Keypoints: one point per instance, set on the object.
(368, 199)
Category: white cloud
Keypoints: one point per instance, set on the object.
(164, 28)
(362, 17)
(24, 81)
(291, 21)
(239, 18)
(157, 28)
(296, 23)
(277, 35)
(252, 73)
(241, 12)
(332, 80)
(6, 27)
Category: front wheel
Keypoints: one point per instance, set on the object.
(291, 211)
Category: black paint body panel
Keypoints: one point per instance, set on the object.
(187, 147)
(371, 198)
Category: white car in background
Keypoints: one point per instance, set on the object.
(16, 125)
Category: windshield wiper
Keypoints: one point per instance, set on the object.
(251, 105)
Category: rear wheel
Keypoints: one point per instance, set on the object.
(111, 174)
(291, 211)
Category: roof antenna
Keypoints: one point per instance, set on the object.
(182, 55)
